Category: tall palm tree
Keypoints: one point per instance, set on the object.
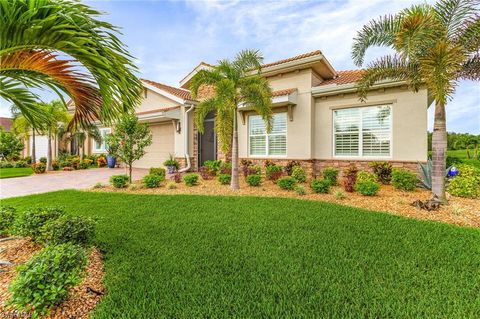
(236, 83)
(61, 45)
(435, 46)
(58, 117)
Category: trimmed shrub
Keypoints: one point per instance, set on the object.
(152, 180)
(225, 168)
(190, 179)
(6, 165)
(254, 180)
(404, 180)
(39, 168)
(254, 170)
(55, 165)
(30, 223)
(290, 166)
(331, 174)
(224, 179)
(20, 164)
(273, 172)
(214, 166)
(367, 188)
(364, 176)
(350, 178)
(299, 174)
(119, 181)
(159, 171)
(467, 183)
(77, 230)
(287, 182)
(43, 160)
(383, 171)
(7, 218)
(321, 186)
(83, 165)
(206, 173)
(300, 190)
(28, 159)
(44, 280)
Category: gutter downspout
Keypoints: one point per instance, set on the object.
(186, 126)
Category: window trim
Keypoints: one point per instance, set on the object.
(267, 139)
(360, 130)
(104, 146)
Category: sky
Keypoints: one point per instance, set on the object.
(169, 38)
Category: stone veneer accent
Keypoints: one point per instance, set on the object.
(360, 164)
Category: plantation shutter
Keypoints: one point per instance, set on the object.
(376, 131)
(263, 144)
(347, 129)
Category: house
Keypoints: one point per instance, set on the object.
(318, 120)
(6, 123)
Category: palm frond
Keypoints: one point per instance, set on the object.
(248, 60)
(202, 110)
(471, 68)
(256, 93)
(469, 37)
(455, 13)
(203, 78)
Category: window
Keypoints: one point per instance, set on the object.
(263, 144)
(364, 131)
(102, 146)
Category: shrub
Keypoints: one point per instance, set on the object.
(43, 160)
(300, 190)
(7, 217)
(6, 165)
(176, 177)
(55, 165)
(119, 181)
(254, 170)
(245, 164)
(20, 164)
(172, 185)
(44, 280)
(83, 165)
(101, 161)
(331, 174)
(364, 176)
(206, 172)
(367, 188)
(299, 174)
(320, 186)
(73, 161)
(152, 180)
(159, 171)
(190, 179)
(267, 163)
(350, 178)
(383, 171)
(171, 162)
(77, 230)
(467, 183)
(224, 179)
(340, 195)
(28, 159)
(225, 168)
(287, 182)
(404, 180)
(214, 166)
(254, 180)
(88, 161)
(290, 166)
(39, 168)
(30, 223)
(273, 172)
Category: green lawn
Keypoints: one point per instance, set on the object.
(245, 257)
(15, 172)
(462, 154)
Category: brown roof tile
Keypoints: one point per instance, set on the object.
(283, 92)
(298, 57)
(178, 92)
(6, 123)
(345, 77)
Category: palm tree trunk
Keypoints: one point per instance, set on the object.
(439, 149)
(234, 182)
(34, 159)
(49, 152)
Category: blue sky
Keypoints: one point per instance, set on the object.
(169, 38)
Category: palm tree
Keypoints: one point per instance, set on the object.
(61, 45)
(21, 125)
(236, 83)
(80, 135)
(435, 46)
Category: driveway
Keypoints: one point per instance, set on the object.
(54, 181)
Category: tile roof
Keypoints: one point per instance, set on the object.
(344, 77)
(6, 123)
(160, 109)
(283, 92)
(178, 92)
(298, 57)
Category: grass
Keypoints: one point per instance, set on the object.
(216, 257)
(462, 154)
(15, 172)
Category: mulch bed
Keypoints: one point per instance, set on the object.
(81, 301)
(458, 211)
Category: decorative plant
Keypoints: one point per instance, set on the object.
(299, 174)
(367, 187)
(151, 180)
(300, 190)
(287, 182)
(112, 145)
(331, 174)
(119, 181)
(273, 172)
(404, 180)
(467, 183)
(39, 168)
(160, 171)
(190, 179)
(290, 166)
(383, 171)
(214, 165)
(224, 179)
(320, 186)
(101, 161)
(254, 180)
(245, 166)
(171, 164)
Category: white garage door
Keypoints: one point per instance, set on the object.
(41, 146)
(162, 146)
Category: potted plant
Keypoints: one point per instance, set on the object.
(171, 164)
(112, 147)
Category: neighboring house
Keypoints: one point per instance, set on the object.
(6, 123)
(318, 120)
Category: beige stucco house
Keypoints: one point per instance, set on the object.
(318, 120)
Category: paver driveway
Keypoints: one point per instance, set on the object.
(34, 184)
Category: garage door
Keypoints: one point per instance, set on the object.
(41, 146)
(162, 146)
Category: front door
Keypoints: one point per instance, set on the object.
(208, 142)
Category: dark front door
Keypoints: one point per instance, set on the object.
(208, 142)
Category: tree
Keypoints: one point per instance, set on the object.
(435, 46)
(236, 83)
(22, 126)
(61, 45)
(10, 145)
(131, 139)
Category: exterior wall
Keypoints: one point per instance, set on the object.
(154, 101)
(162, 145)
(409, 123)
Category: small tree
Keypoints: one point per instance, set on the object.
(10, 145)
(132, 138)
